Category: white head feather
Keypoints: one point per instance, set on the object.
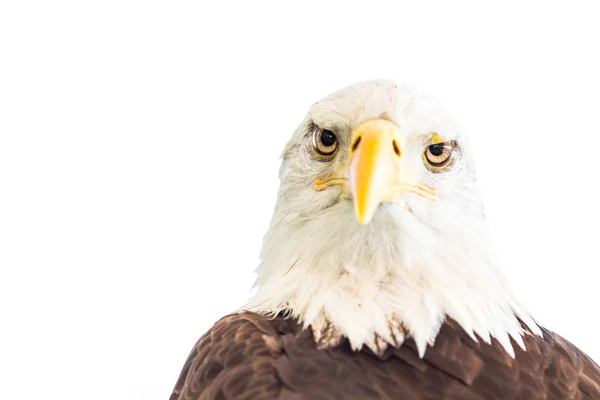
(416, 263)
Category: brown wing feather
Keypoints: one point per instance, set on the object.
(247, 356)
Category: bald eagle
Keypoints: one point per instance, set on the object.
(377, 279)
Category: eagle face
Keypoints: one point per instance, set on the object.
(378, 231)
(385, 151)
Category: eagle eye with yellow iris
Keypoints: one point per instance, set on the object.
(439, 155)
(325, 143)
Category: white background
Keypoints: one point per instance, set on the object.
(140, 144)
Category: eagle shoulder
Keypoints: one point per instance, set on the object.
(248, 356)
(235, 359)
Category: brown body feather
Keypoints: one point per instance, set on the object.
(247, 356)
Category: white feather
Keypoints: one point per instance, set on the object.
(416, 263)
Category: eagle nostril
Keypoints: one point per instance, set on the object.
(356, 143)
(396, 148)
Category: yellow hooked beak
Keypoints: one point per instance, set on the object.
(377, 172)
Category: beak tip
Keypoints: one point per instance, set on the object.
(364, 208)
(363, 218)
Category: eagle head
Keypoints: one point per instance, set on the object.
(379, 231)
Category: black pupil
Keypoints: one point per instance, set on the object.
(437, 149)
(327, 138)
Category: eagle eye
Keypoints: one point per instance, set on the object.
(325, 142)
(438, 155)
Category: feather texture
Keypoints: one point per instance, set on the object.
(248, 356)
